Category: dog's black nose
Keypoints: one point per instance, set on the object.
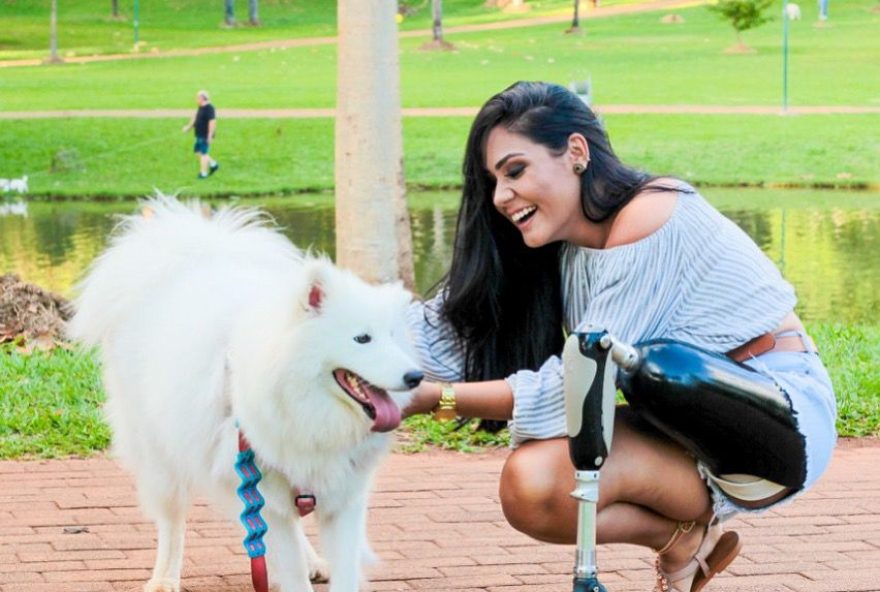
(412, 379)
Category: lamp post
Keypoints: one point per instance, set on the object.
(136, 22)
(785, 56)
(53, 34)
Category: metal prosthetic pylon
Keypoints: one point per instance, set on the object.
(589, 411)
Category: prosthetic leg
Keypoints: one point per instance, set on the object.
(736, 421)
(589, 413)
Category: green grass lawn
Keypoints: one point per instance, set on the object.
(852, 356)
(631, 59)
(113, 158)
(50, 402)
(87, 27)
(637, 60)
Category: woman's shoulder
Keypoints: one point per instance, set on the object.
(646, 213)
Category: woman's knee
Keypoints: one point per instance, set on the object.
(535, 485)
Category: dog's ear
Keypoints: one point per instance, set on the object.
(316, 295)
(315, 282)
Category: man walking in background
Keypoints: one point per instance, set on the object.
(205, 124)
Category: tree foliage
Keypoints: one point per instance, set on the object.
(743, 14)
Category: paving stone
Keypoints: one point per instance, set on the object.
(436, 523)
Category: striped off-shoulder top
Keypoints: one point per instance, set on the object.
(698, 279)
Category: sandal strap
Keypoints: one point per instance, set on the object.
(701, 563)
(688, 570)
(681, 529)
(667, 582)
(710, 540)
(697, 567)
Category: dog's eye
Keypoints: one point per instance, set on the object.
(363, 338)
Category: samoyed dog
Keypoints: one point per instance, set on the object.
(211, 327)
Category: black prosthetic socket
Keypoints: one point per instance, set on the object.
(730, 417)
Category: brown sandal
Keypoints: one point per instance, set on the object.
(717, 550)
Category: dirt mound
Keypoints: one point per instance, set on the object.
(30, 314)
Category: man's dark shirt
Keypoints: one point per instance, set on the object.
(204, 115)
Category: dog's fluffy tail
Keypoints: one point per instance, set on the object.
(150, 247)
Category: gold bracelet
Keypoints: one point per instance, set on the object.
(445, 409)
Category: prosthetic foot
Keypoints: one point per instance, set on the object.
(589, 412)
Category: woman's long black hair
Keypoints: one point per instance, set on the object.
(504, 298)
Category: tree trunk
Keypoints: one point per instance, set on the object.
(229, 12)
(575, 27)
(437, 13)
(372, 221)
(115, 7)
(437, 42)
(53, 33)
(253, 13)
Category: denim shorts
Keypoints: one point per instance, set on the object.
(806, 383)
(201, 146)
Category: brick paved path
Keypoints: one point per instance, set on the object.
(435, 520)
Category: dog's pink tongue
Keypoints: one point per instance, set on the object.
(387, 413)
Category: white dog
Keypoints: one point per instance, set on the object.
(205, 323)
(4, 185)
(20, 185)
(793, 11)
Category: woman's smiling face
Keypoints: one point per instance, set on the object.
(537, 190)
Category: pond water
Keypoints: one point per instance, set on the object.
(826, 243)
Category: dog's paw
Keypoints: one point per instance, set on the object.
(368, 558)
(162, 585)
(319, 571)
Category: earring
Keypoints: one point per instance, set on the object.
(580, 167)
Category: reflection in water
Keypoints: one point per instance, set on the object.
(13, 208)
(829, 252)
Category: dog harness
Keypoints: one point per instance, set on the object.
(250, 517)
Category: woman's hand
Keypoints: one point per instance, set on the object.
(426, 396)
